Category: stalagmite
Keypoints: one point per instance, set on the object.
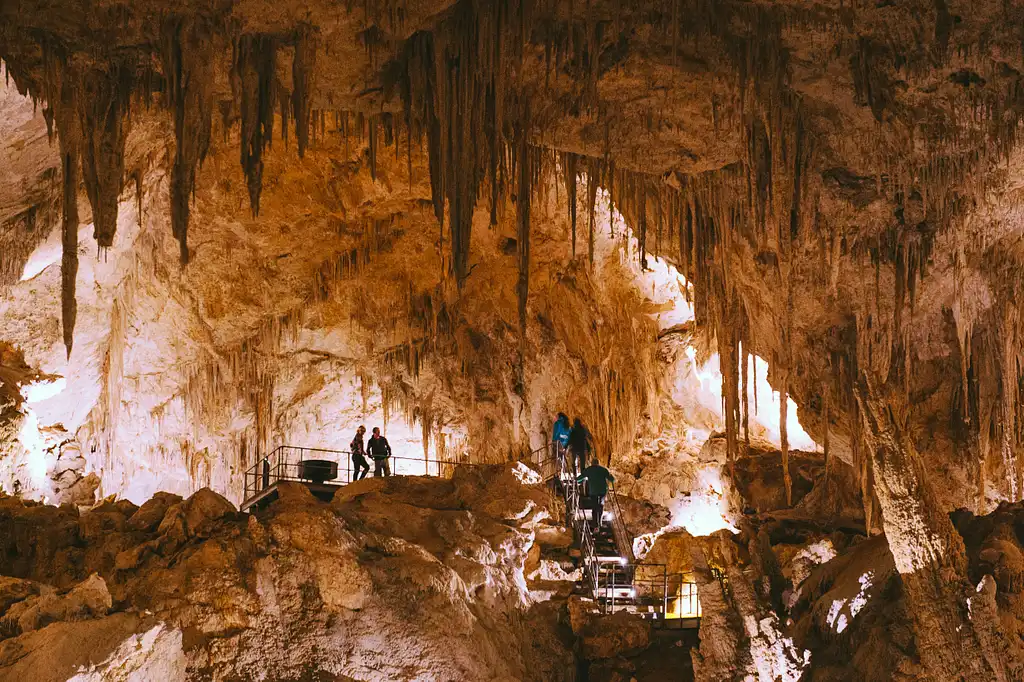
(928, 552)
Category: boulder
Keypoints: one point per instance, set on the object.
(88, 599)
(134, 556)
(620, 634)
(291, 493)
(13, 590)
(204, 506)
(102, 520)
(581, 611)
(641, 516)
(82, 493)
(172, 527)
(148, 517)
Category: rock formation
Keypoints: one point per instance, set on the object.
(768, 251)
(402, 578)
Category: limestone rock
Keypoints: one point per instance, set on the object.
(203, 507)
(88, 599)
(101, 520)
(149, 516)
(82, 492)
(619, 634)
(156, 654)
(13, 590)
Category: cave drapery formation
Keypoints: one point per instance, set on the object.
(805, 168)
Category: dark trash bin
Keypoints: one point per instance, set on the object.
(318, 470)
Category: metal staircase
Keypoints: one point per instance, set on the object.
(612, 578)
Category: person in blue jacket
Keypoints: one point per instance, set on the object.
(560, 437)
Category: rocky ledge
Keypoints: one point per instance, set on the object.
(404, 578)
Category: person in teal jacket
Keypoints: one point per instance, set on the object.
(560, 436)
(597, 478)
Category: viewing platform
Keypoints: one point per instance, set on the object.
(323, 472)
(613, 580)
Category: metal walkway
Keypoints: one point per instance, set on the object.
(291, 463)
(612, 577)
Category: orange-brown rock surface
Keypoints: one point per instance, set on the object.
(227, 226)
(403, 578)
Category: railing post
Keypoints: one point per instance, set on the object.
(664, 592)
(613, 589)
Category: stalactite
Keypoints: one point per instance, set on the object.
(62, 96)
(524, 193)
(1009, 385)
(373, 147)
(825, 435)
(188, 69)
(755, 383)
(569, 169)
(784, 436)
(593, 178)
(642, 204)
(745, 387)
(303, 68)
(103, 108)
(455, 86)
(255, 67)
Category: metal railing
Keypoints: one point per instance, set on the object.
(284, 464)
(647, 589)
(623, 538)
(620, 584)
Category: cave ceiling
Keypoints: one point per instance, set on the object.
(838, 180)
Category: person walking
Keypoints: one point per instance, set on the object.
(360, 467)
(580, 445)
(380, 450)
(560, 438)
(597, 478)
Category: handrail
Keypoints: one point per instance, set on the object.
(649, 583)
(274, 466)
(623, 538)
(280, 465)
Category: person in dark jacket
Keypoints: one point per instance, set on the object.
(560, 437)
(580, 445)
(360, 467)
(380, 450)
(597, 478)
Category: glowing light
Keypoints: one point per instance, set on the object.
(767, 415)
(38, 391)
(764, 420)
(703, 511)
(35, 448)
